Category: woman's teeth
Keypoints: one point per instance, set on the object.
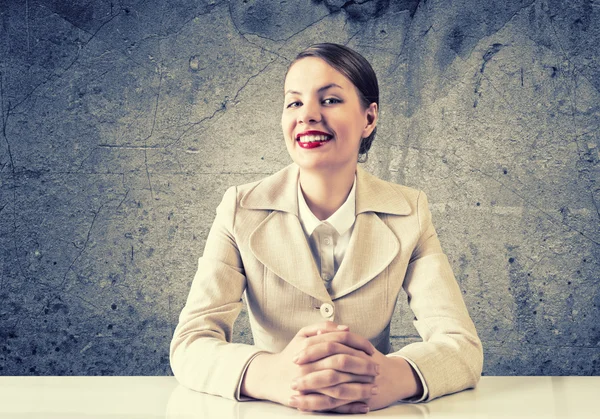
(313, 138)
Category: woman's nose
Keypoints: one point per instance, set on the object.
(309, 113)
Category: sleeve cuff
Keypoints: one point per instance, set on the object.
(423, 383)
(238, 393)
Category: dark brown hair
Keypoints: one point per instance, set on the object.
(357, 69)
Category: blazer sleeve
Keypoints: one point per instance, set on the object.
(450, 357)
(201, 353)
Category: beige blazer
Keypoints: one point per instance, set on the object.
(256, 248)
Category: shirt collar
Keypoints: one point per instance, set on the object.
(341, 220)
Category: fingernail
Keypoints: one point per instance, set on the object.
(296, 358)
(342, 327)
(377, 369)
(319, 332)
(364, 409)
(375, 390)
(294, 385)
(292, 401)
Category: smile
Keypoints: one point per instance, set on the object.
(313, 139)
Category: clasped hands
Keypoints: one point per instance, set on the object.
(333, 368)
(326, 367)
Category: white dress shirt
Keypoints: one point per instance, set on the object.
(328, 240)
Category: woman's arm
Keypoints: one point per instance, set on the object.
(202, 357)
(450, 357)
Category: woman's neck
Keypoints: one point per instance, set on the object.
(326, 192)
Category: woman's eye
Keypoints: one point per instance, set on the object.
(293, 105)
(331, 101)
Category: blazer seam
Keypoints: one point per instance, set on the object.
(234, 211)
(387, 269)
(419, 212)
(264, 287)
(387, 286)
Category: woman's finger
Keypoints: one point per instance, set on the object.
(315, 402)
(352, 408)
(347, 338)
(327, 378)
(350, 391)
(322, 350)
(327, 326)
(342, 363)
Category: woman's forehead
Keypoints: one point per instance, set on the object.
(312, 73)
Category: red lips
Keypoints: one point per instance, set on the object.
(313, 144)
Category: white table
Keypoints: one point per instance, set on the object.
(162, 397)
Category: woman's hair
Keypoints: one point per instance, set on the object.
(357, 69)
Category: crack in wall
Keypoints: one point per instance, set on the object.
(63, 18)
(166, 35)
(145, 149)
(220, 109)
(242, 35)
(56, 77)
(487, 56)
(83, 248)
(5, 119)
(581, 154)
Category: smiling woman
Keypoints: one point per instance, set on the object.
(323, 110)
(321, 251)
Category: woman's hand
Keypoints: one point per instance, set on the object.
(333, 371)
(347, 375)
(321, 383)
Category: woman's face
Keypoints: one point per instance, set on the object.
(323, 119)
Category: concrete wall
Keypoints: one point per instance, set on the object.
(124, 121)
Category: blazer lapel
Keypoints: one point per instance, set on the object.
(278, 242)
(373, 246)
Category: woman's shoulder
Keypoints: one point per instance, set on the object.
(290, 171)
(384, 196)
(276, 191)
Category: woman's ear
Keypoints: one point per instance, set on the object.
(372, 114)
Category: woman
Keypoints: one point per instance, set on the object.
(321, 250)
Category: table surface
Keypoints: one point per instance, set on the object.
(163, 397)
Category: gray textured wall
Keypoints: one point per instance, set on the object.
(124, 121)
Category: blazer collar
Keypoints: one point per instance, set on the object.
(279, 192)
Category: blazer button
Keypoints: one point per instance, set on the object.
(326, 310)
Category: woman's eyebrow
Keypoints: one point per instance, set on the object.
(329, 86)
